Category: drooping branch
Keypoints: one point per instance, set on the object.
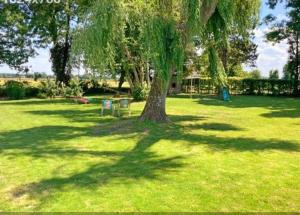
(208, 8)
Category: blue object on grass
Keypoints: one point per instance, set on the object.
(225, 93)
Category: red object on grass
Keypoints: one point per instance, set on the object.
(83, 101)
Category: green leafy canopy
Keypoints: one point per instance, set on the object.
(166, 27)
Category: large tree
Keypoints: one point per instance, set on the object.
(130, 54)
(15, 36)
(240, 50)
(288, 29)
(28, 25)
(52, 24)
(166, 27)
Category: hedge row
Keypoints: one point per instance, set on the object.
(239, 86)
(20, 89)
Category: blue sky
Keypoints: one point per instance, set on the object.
(270, 56)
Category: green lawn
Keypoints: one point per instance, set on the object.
(215, 156)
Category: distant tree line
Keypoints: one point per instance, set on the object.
(287, 29)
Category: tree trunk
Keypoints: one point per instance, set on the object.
(155, 109)
(148, 75)
(296, 80)
(67, 50)
(207, 10)
(121, 80)
(60, 56)
(128, 78)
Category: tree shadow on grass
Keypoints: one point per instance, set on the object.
(130, 167)
(91, 114)
(126, 166)
(279, 107)
(74, 115)
(184, 96)
(241, 144)
(284, 113)
(95, 100)
(42, 142)
(186, 134)
(218, 127)
(37, 102)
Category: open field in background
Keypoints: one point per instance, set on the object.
(30, 81)
(215, 156)
(111, 83)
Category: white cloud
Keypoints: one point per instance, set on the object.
(271, 56)
(41, 63)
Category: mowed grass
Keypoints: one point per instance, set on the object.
(215, 156)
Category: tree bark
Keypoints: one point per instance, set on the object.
(155, 109)
(296, 80)
(208, 9)
(66, 57)
(134, 70)
(148, 75)
(60, 54)
(128, 78)
(121, 80)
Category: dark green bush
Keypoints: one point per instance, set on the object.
(2, 92)
(31, 91)
(15, 90)
(140, 93)
(18, 90)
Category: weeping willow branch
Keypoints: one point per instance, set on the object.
(95, 39)
(165, 27)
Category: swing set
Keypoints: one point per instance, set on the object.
(192, 83)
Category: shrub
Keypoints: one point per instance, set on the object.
(2, 91)
(49, 88)
(74, 89)
(90, 84)
(62, 90)
(41, 95)
(31, 91)
(140, 93)
(15, 90)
